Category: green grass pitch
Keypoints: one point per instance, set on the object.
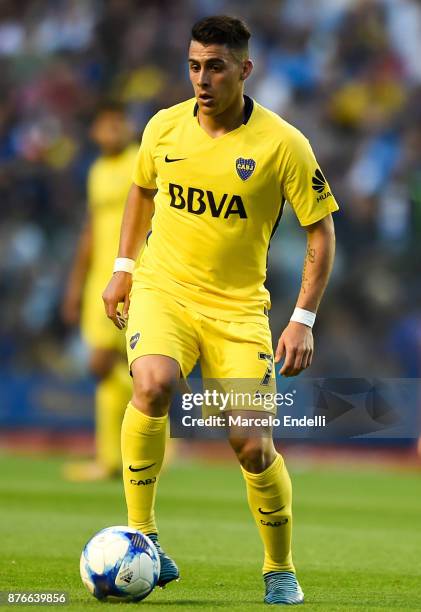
(357, 540)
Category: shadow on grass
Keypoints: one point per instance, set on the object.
(203, 603)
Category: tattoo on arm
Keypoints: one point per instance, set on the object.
(311, 254)
(310, 257)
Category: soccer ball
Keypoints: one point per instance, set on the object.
(119, 563)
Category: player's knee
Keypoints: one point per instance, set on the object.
(254, 454)
(155, 379)
(101, 363)
(153, 395)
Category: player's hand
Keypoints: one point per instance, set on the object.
(296, 345)
(118, 291)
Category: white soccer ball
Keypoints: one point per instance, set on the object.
(120, 563)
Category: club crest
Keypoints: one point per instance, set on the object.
(245, 167)
(134, 340)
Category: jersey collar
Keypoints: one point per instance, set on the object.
(248, 109)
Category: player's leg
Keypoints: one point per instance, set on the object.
(239, 356)
(143, 441)
(269, 496)
(161, 344)
(113, 391)
(143, 436)
(108, 366)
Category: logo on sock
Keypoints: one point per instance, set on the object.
(142, 483)
(271, 511)
(132, 469)
(283, 521)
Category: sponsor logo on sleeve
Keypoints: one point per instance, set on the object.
(319, 184)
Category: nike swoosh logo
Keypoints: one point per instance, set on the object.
(132, 469)
(173, 159)
(271, 511)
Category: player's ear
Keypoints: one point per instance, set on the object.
(247, 68)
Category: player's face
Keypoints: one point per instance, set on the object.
(217, 76)
(111, 131)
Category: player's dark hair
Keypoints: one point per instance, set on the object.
(109, 106)
(222, 30)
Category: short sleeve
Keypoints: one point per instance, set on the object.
(144, 173)
(303, 184)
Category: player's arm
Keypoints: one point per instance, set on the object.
(70, 308)
(134, 228)
(296, 341)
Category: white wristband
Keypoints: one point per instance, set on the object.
(303, 316)
(124, 264)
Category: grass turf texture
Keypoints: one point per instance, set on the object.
(357, 536)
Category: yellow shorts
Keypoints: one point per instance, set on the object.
(97, 330)
(233, 355)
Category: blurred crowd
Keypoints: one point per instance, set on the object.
(345, 72)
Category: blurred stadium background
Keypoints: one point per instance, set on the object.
(346, 72)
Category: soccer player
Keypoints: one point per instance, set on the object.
(215, 171)
(109, 181)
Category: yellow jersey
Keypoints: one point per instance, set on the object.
(218, 203)
(109, 182)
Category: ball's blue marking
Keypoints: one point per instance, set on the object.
(104, 583)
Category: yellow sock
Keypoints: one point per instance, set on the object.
(143, 445)
(111, 397)
(270, 497)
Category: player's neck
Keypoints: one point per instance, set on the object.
(113, 152)
(225, 122)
